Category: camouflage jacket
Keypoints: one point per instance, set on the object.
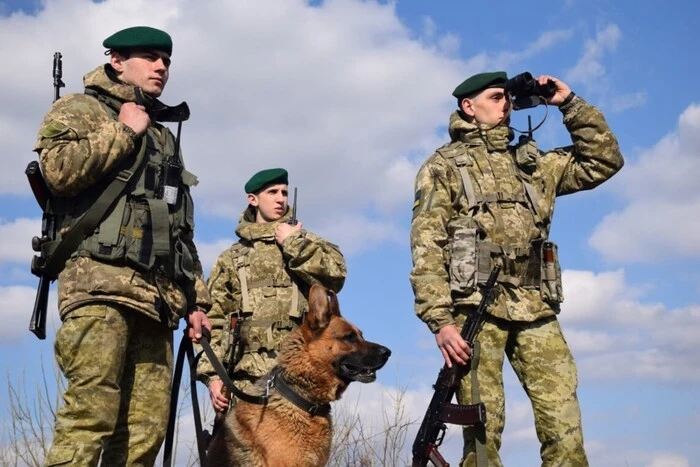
(494, 169)
(277, 279)
(80, 144)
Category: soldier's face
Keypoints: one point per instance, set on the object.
(489, 107)
(270, 203)
(147, 69)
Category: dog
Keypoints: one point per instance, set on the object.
(293, 426)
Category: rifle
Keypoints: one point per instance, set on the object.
(441, 410)
(42, 194)
(293, 220)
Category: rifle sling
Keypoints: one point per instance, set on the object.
(59, 252)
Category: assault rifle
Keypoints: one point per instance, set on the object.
(37, 323)
(293, 220)
(441, 410)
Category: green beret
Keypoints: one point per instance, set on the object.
(479, 82)
(266, 177)
(140, 37)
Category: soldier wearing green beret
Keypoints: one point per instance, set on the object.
(262, 282)
(481, 201)
(132, 271)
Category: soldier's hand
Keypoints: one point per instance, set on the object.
(196, 320)
(135, 117)
(218, 400)
(561, 93)
(453, 347)
(283, 230)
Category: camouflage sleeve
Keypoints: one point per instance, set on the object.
(196, 291)
(432, 209)
(79, 143)
(222, 285)
(314, 259)
(593, 158)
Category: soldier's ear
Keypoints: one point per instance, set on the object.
(253, 200)
(465, 106)
(117, 61)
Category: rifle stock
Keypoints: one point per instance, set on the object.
(440, 410)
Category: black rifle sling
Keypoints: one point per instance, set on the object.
(59, 253)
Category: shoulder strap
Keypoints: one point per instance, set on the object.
(58, 252)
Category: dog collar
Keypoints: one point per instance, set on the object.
(276, 380)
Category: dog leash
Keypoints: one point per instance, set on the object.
(186, 349)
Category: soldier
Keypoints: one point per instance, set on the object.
(263, 280)
(131, 276)
(480, 201)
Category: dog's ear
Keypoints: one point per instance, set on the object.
(335, 308)
(320, 309)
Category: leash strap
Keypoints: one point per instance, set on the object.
(185, 348)
(223, 374)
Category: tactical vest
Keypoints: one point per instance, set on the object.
(140, 229)
(472, 253)
(264, 333)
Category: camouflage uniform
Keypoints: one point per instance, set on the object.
(504, 212)
(115, 343)
(277, 280)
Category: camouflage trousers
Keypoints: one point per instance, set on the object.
(545, 367)
(118, 367)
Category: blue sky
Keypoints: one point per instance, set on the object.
(351, 97)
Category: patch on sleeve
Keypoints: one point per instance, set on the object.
(54, 129)
(416, 201)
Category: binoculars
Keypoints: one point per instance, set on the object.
(527, 92)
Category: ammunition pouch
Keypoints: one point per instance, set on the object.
(471, 259)
(463, 255)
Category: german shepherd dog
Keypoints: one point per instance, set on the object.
(316, 363)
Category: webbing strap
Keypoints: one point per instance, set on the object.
(89, 221)
(269, 282)
(160, 226)
(462, 162)
(245, 298)
(533, 204)
(294, 310)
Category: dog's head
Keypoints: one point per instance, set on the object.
(333, 347)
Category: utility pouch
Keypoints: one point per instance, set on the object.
(184, 262)
(138, 236)
(550, 274)
(463, 258)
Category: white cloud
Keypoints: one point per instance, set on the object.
(622, 102)
(208, 252)
(16, 239)
(615, 334)
(589, 69)
(660, 186)
(17, 303)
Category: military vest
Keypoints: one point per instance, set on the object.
(473, 253)
(265, 321)
(143, 228)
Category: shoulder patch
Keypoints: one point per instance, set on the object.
(54, 129)
(416, 200)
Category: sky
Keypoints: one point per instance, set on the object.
(351, 97)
